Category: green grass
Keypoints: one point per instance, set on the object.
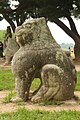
(6, 79)
(23, 114)
(35, 84)
(7, 99)
(2, 35)
(78, 82)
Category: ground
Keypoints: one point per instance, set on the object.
(67, 105)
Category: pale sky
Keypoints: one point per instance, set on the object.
(59, 35)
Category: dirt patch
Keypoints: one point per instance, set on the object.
(67, 105)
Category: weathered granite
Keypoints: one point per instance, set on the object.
(40, 56)
(8, 34)
(10, 45)
(11, 48)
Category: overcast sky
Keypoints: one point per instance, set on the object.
(59, 35)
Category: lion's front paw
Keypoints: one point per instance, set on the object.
(36, 98)
(17, 99)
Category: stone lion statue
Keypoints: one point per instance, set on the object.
(10, 46)
(39, 56)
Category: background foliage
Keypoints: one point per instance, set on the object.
(2, 35)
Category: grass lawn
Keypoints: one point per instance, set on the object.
(23, 114)
(78, 82)
(7, 81)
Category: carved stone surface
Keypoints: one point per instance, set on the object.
(10, 49)
(41, 57)
(10, 45)
(8, 34)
